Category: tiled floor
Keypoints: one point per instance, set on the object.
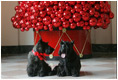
(14, 67)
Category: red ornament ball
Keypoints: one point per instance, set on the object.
(76, 17)
(72, 25)
(65, 24)
(56, 22)
(45, 28)
(78, 7)
(93, 22)
(47, 20)
(39, 25)
(67, 14)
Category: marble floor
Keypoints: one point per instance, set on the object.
(14, 67)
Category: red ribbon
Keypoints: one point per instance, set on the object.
(41, 56)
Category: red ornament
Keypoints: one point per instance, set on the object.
(84, 27)
(102, 16)
(93, 22)
(60, 11)
(68, 8)
(82, 23)
(55, 7)
(39, 19)
(72, 25)
(36, 14)
(65, 24)
(32, 17)
(33, 25)
(45, 28)
(78, 2)
(100, 22)
(34, 21)
(46, 20)
(46, 3)
(72, 10)
(29, 26)
(52, 15)
(86, 23)
(36, 29)
(82, 12)
(72, 2)
(78, 7)
(56, 22)
(42, 13)
(71, 20)
(60, 28)
(13, 19)
(97, 14)
(51, 28)
(55, 2)
(92, 2)
(22, 29)
(23, 25)
(83, 2)
(106, 9)
(59, 15)
(92, 11)
(63, 19)
(88, 27)
(49, 10)
(39, 25)
(97, 6)
(17, 8)
(41, 7)
(27, 29)
(62, 5)
(28, 23)
(18, 26)
(21, 21)
(86, 17)
(111, 15)
(67, 14)
(86, 7)
(107, 21)
(50, 25)
(76, 17)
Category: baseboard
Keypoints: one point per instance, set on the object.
(104, 47)
(27, 48)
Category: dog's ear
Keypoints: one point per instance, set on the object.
(62, 42)
(40, 40)
(72, 42)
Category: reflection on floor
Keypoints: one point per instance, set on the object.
(93, 68)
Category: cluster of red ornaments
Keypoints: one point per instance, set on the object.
(48, 15)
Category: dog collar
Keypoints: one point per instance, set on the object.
(41, 56)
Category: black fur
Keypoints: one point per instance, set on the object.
(35, 65)
(70, 65)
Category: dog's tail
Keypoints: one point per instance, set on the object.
(54, 71)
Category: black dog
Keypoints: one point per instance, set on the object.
(36, 64)
(69, 64)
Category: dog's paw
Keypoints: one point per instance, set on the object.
(50, 73)
(61, 75)
(41, 75)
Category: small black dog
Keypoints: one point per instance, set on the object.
(36, 64)
(69, 64)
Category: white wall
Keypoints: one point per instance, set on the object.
(11, 36)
